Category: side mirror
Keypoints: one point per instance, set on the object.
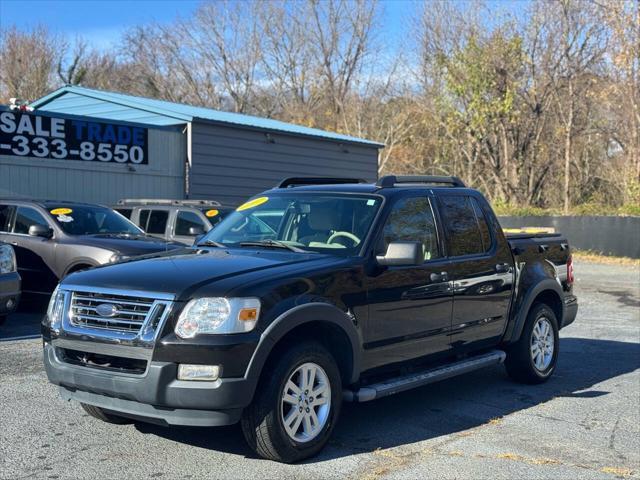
(40, 231)
(402, 253)
(196, 231)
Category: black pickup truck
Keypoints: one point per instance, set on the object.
(359, 291)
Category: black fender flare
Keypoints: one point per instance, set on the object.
(520, 317)
(299, 315)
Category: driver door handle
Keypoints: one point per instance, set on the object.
(503, 267)
(439, 277)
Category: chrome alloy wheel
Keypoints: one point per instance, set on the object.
(542, 344)
(306, 402)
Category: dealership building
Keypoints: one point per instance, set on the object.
(90, 145)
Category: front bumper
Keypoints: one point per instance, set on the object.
(10, 287)
(155, 396)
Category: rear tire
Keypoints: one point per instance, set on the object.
(100, 414)
(290, 418)
(532, 359)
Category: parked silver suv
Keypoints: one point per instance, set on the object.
(52, 239)
(179, 221)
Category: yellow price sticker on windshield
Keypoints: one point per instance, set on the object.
(61, 211)
(252, 203)
(212, 213)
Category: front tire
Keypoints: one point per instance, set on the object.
(532, 359)
(296, 405)
(100, 414)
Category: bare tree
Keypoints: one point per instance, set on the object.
(539, 108)
(582, 47)
(226, 39)
(622, 96)
(27, 62)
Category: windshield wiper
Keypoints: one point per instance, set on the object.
(272, 244)
(211, 243)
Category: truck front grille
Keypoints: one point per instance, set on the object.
(120, 313)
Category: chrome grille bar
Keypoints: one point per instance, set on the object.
(127, 313)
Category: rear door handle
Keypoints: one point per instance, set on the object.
(439, 277)
(503, 267)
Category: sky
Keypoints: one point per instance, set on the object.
(102, 22)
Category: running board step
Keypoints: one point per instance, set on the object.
(407, 382)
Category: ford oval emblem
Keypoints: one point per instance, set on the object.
(107, 310)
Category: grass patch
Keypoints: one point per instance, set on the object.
(597, 257)
(585, 209)
(617, 471)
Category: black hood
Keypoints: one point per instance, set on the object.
(127, 245)
(189, 269)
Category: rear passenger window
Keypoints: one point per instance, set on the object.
(186, 220)
(157, 222)
(464, 235)
(412, 220)
(5, 217)
(483, 225)
(143, 219)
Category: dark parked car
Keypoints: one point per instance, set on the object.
(358, 291)
(9, 281)
(175, 220)
(52, 239)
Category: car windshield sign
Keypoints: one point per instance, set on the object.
(90, 220)
(318, 222)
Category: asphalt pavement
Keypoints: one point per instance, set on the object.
(583, 423)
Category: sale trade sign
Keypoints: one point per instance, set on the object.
(26, 134)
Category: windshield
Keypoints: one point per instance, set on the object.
(329, 223)
(90, 220)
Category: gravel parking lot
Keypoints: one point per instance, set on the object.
(585, 422)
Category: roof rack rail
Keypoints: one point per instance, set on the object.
(392, 180)
(299, 181)
(165, 201)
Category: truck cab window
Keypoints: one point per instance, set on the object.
(25, 218)
(464, 235)
(412, 220)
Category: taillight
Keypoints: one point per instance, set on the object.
(570, 270)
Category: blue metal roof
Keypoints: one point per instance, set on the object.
(118, 106)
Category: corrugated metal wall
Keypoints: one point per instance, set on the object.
(617, 236)
(231, 164)
(97, 182)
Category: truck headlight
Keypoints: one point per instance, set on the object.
(218, 315)
(7, 259)
(56, 308)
